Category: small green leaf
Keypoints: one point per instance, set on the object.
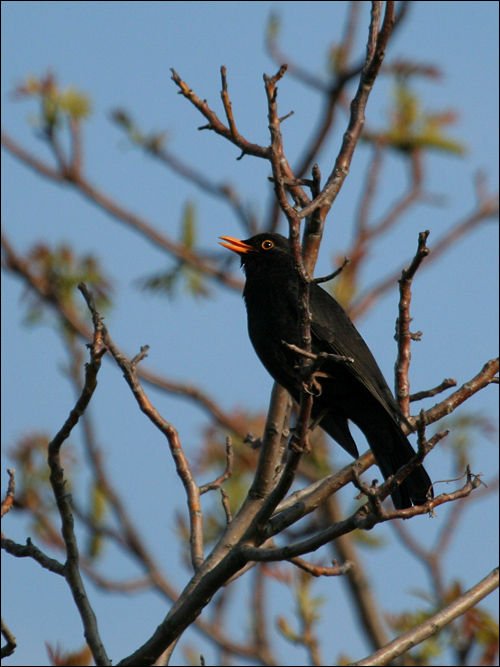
(75, 103)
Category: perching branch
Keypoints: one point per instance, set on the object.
(364, 518)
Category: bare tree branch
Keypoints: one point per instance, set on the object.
(403, 335)
(434, 624)
(136, 222)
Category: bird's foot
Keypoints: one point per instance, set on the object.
(298, 443)
(312, 387)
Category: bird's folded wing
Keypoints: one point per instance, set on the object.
(334, 333)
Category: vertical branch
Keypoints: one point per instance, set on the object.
(377, 41)
(183, 468)
(227, 105)
(375, 53)
(365, 603)
(76, 146)
(403, 334)
(63, 498)
(276, 156)
(279, 165)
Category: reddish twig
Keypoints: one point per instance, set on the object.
(217, 483)
(181, 463)
(468, 389)
(8, 501)
(403, 335)
(445, 384)
(215, 124)
(320, 571)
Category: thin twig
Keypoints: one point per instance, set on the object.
(19, 266)
(181, 463)
(8, 501)
(333, 275)
(403, 335)
(215, 124)
(217, 483)
(428, 393)
(11, 642)
(63, 500)
(227, 106)
(468, 389)
(321, 571)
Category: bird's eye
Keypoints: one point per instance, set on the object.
(267, 245)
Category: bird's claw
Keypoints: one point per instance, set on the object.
(313, 387)
(296, 444)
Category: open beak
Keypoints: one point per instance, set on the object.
(236, 245)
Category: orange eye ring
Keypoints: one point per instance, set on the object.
(267, 245)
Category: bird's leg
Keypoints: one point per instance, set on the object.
(312, 371)
(295, 444)
(312, 425)
(311, 385)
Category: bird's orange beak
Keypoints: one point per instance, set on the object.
(236, 245)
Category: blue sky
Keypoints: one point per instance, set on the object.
(120, 53)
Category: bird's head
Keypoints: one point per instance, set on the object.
(262, 250)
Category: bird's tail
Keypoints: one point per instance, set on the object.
(392, 451)
(387, 441)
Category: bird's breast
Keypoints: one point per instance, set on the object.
(272, 320)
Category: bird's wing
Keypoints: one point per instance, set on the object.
(333, 332)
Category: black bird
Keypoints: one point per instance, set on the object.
(352, 390)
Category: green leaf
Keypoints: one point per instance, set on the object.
(75, 103)
(412, 128)
(188, 225)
